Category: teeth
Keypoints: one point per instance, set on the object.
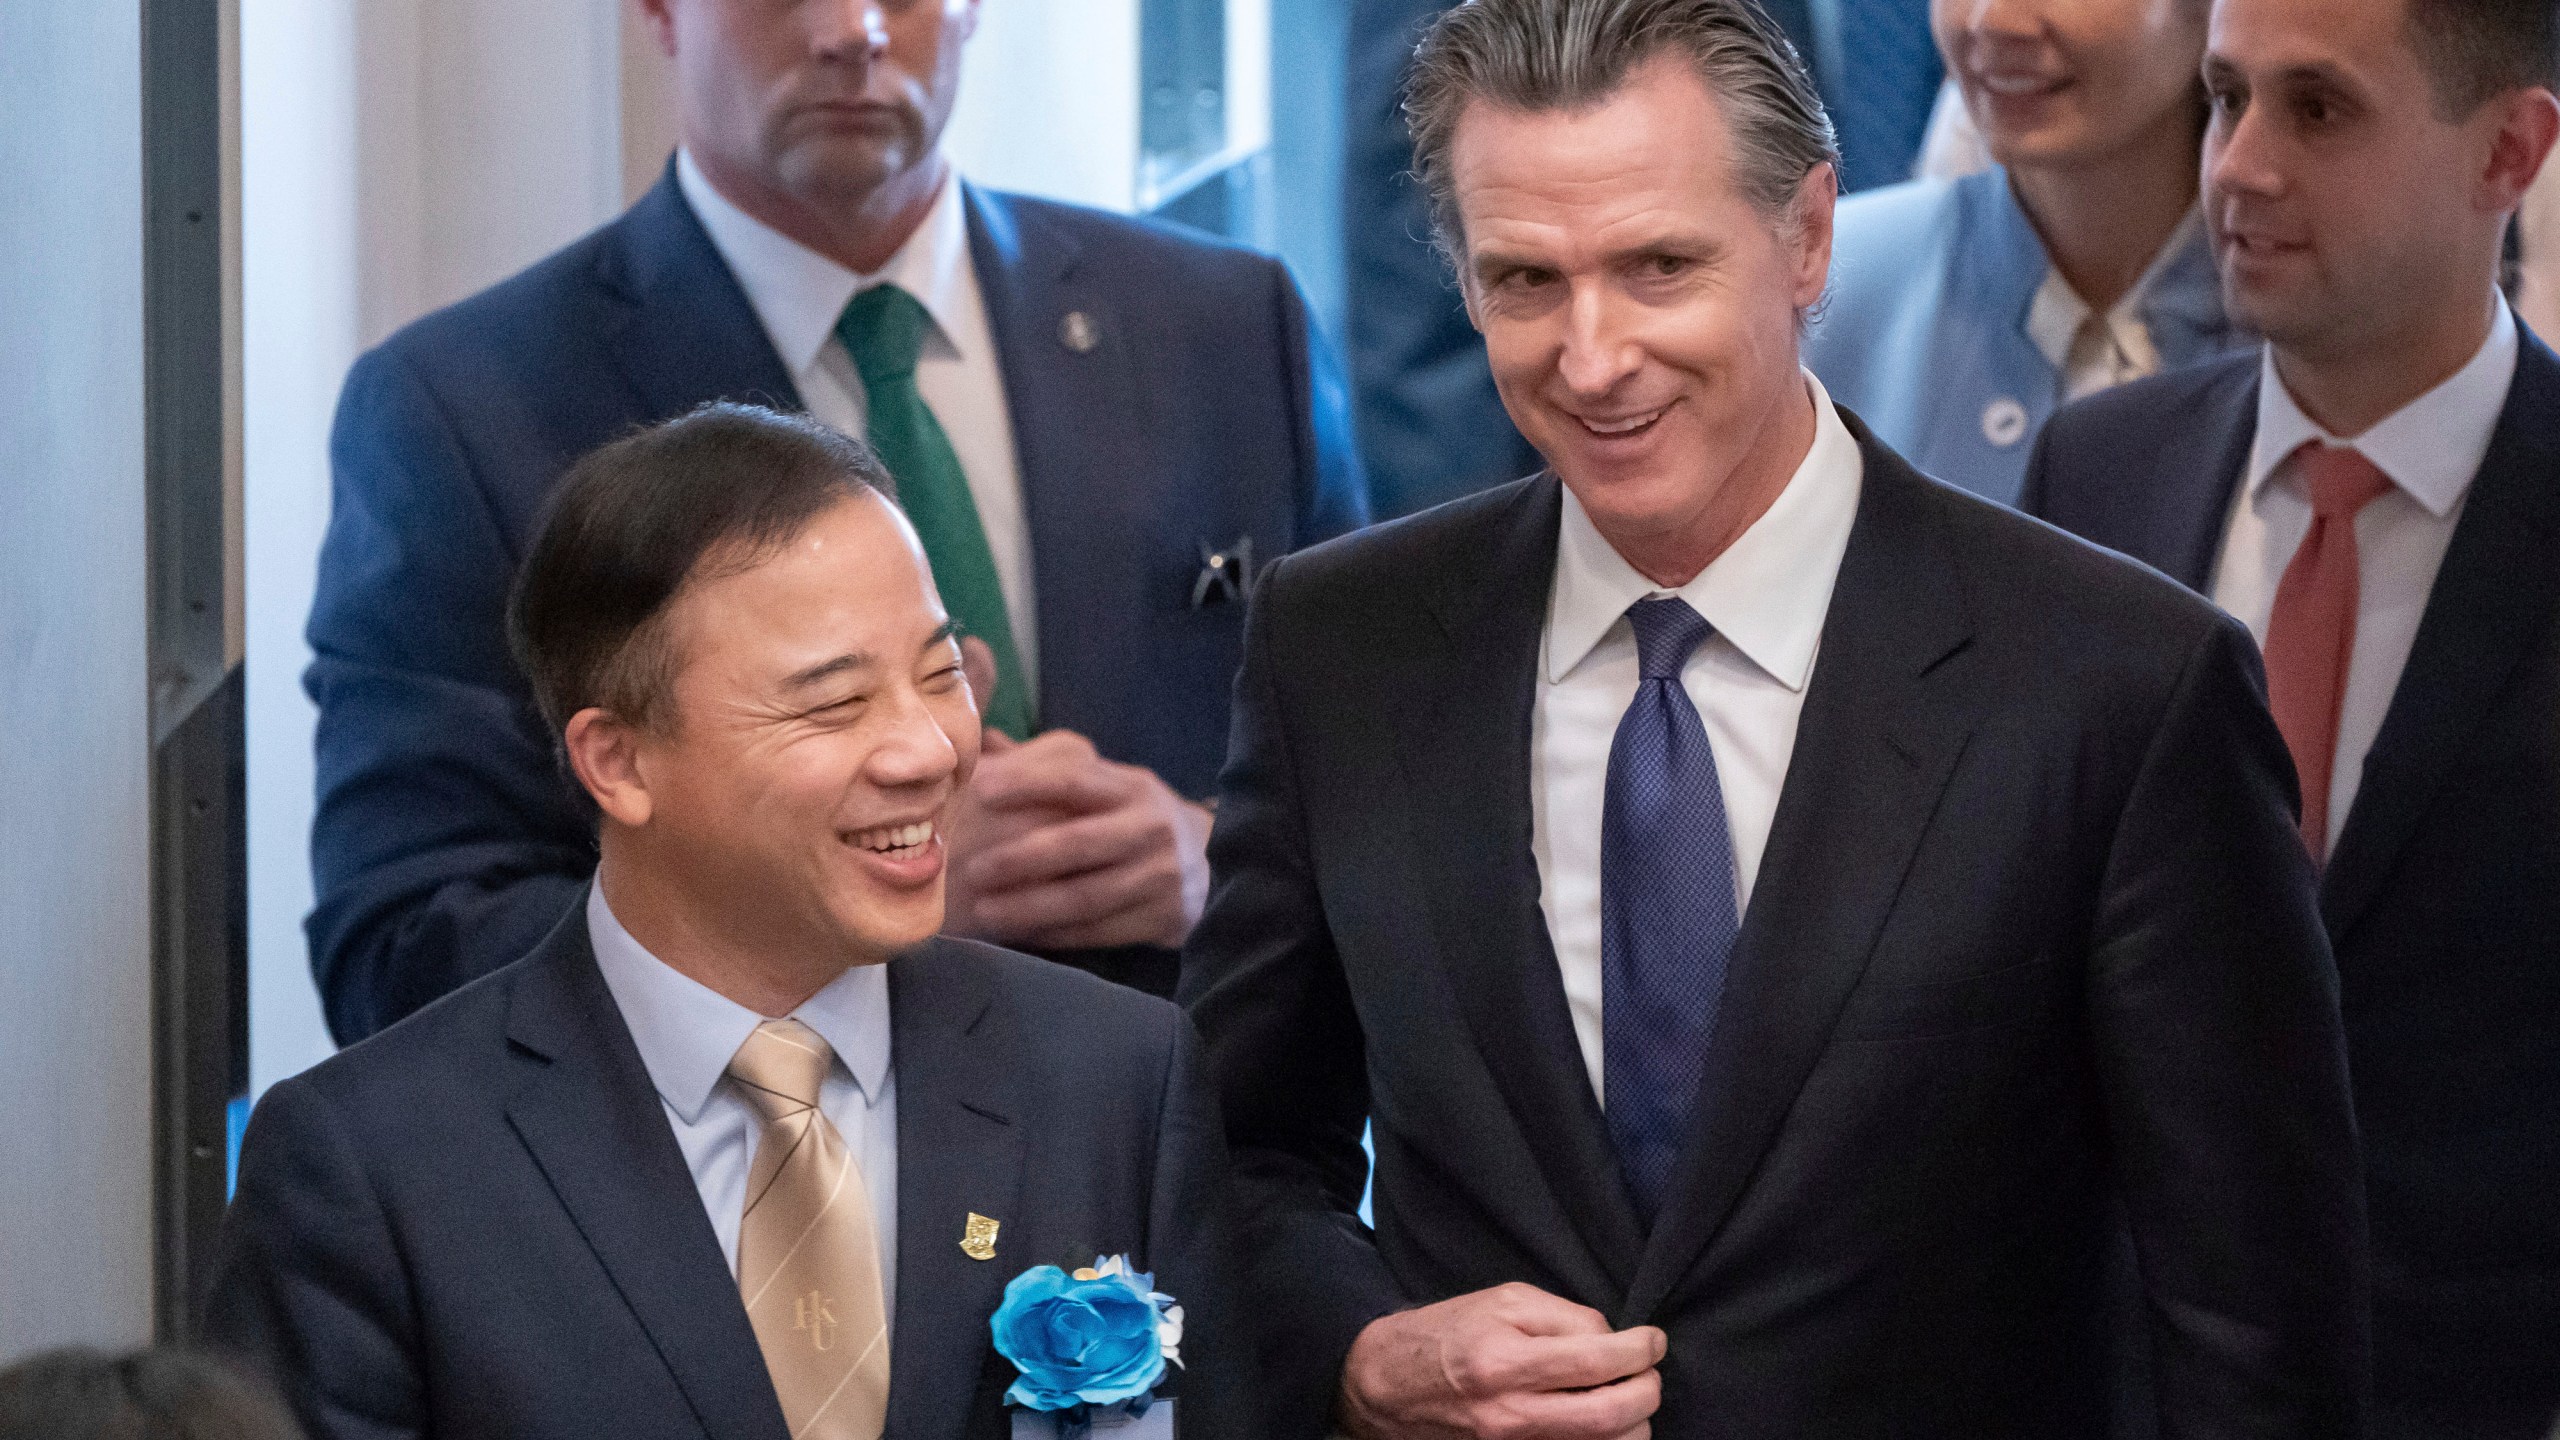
(895, 837)
(1621, 427)
(2014, 84)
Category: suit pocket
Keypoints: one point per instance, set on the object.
(2032, 993)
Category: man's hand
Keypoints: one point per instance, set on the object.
(1055, 848)
(1510, 1363)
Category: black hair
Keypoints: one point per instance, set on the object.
(2476, 50)
(639, 519)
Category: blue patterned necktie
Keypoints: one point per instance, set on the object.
(1667, 912)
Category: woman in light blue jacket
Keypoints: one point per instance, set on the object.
(1963, 312)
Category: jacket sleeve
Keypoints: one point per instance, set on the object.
(1192, 1219)
(1262, 981)
(2222, 1064)
(308, 1287)
(446, 839)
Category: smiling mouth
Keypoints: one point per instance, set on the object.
(2257, 246)
(1624, 426)
(2012, 87)
(897, 842)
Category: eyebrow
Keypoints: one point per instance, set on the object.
(860, 659)
(2312, 72)
(1705, 247)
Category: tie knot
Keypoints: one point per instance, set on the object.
(2341, 479)
(883, 330)
(1666, 631)
(782, 1065)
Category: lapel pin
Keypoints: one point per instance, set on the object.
(978, 1240)
(2004, 422)
(1078, 333)
(1226, 574)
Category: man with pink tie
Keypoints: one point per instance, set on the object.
(2377, 495)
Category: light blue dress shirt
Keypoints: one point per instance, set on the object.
(686, 1033)
(1924, 333)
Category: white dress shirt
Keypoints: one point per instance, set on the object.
(2100, 352)
(799, 294)
(687, 1032)
(1766, 596)
(2430, 449)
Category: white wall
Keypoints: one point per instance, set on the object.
(75, 990)
(1049, 100)
(396, 155)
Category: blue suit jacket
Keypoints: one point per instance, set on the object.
(1924, 331)
(447, 838)
(2443, 894)
(479, 1224)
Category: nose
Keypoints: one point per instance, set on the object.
(1991, 20)
(913, 751)
(848, 29)
(1597, 353)
(2241, 154)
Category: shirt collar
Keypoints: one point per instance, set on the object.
(2056, 314)
(687, 1032)
(799, 294)
(1767, 593)
(2431, 447)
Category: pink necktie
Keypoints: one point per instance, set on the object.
(2312, 634)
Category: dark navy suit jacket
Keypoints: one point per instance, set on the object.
(2443, 895)
(2033, 938)
(478, 1223)
(448, 840)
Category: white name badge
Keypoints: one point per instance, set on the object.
(1156, 1424)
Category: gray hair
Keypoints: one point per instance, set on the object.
(1545, 55)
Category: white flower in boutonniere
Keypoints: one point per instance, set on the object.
(1089, 1345)
(1168, 1312)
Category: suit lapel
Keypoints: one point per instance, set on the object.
(2186, 500)
(1879, 736)
(595, 1127)
(2493, 599)
(684, 332)
(1465, 750)
(960, 1147)
(1074, 409)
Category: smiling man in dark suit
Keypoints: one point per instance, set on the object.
(2378, 495)
(1782, 917)
(741, 1149)
(1098, 425)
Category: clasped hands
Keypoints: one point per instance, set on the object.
(1509, 1363)
(1054, 847)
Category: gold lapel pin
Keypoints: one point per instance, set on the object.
(978, 1241)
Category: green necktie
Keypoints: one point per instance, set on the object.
(883, 329)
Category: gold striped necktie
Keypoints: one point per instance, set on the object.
(808, 1248)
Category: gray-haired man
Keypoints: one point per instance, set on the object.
(1777, 911)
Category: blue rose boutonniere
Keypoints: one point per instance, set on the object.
(1092, 1346)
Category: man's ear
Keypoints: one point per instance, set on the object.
(662, 25)
(1817, 196)
(2528, 122)
(604, 753)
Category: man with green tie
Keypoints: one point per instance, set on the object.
(1098, 427)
